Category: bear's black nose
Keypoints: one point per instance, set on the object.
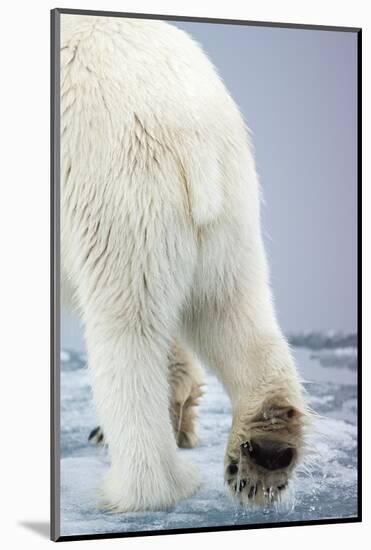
(271, 455)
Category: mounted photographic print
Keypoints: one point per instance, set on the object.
(205, 296)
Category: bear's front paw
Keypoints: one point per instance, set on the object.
(262, 453)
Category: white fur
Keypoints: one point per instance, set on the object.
(160, 239)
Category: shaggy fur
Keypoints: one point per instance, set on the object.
(161, 240)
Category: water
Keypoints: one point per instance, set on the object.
(328, 490)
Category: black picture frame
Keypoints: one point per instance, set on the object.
(55, 272)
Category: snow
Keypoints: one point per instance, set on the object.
(327, 488)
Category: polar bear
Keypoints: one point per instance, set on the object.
(161, 247)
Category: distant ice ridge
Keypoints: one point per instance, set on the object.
(341, 357)
(317, 340)
(72, 360)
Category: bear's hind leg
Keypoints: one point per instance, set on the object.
(185, 379)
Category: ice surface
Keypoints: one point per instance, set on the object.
(327, 490)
